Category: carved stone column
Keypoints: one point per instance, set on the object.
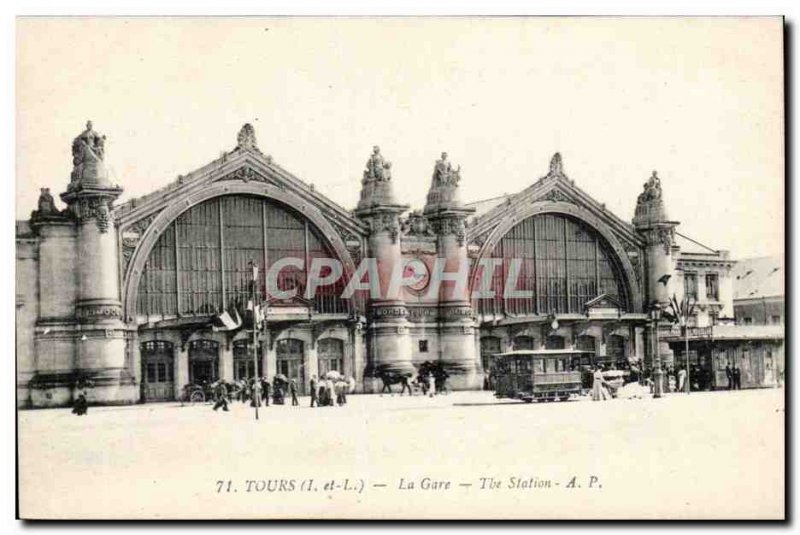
(101, 350)
(388, 325)
(447, 215)
(651, 222)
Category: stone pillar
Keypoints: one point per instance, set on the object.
(181, 370)
(311, 364)
(264, 354)
(55, 332)
(226, 363)
(271, 358)
(457, 350)
(100, 355)
(135, 364)
(358, 350)
(651, 222)
(388, 327)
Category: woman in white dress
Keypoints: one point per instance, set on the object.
(599, 390)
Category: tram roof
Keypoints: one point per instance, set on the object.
(543, 353)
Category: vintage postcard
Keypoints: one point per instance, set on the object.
(400, 268)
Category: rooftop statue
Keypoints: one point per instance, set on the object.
(47, 205)
(444, 174)
(247, 138)
(88, 152)
(556, 166)
(378, 169)
(652, 189)
(649, 204)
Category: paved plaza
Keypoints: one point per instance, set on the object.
(400, 457)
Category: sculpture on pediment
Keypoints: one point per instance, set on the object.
(246, 140)
(88, 153)
(378, 169)
(556, 165)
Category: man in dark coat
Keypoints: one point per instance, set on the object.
(313, 387)
(729, 375)
(293, 391)
(81, 406)
(221, 392)
(737, 378)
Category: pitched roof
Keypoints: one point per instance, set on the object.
(483, 206)
(759, 277)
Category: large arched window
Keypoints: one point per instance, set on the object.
(200, 264)
(561, 264)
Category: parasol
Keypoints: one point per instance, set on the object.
(281, 377)
(333, 375)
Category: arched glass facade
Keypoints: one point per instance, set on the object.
(561, 264)
(200, 264)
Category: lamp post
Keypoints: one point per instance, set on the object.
(655, 316)
(256, 392)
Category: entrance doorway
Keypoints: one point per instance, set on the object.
(158, 370)
(289, 356)
(490, 346)
(203, 361)
(243, 365)
(331, 356)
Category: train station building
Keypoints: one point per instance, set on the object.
(129, 294)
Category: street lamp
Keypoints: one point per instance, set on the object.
(256, 394)
(655, 316)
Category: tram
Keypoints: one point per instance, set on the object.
(542, 375)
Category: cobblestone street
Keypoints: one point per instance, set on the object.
(390, 455)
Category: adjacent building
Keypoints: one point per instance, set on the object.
(128, 294)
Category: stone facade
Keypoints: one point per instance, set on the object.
(104, 291)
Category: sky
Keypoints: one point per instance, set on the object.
(698, 100)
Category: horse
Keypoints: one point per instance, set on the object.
(392, 378)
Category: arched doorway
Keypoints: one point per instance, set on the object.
(615, 351)
(330, 353)
(243, 365)
(203, 361)
(490, 346)
(289, 358)
(158, 370)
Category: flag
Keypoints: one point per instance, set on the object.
(227, 322)
(255, 315)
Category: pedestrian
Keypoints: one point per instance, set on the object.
(431, 385)
(681, 379)
(221, 392)
(265, 390)
(737, 378)
(80, 407)
(341, 391)
(729, 375)
(313, 390)
(329, 392)
(256, 389)
(293, 391)
(599, 391)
